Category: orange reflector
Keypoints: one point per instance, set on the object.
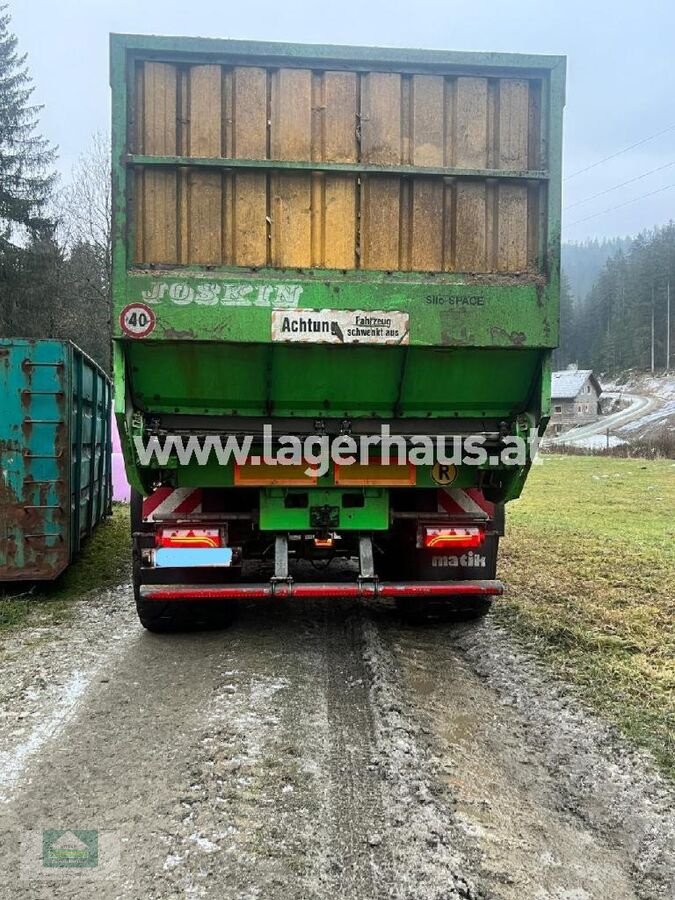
(457, 537)
(189, 537)
(323, 542)
(375, 474)
(284, 476)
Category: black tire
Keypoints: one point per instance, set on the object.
(172, 616)
(434, 611)
(412, 564)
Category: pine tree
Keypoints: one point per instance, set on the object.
(26, 158)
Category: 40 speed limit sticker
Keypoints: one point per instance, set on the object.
(137, 320)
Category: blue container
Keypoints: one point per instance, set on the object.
(55, 451)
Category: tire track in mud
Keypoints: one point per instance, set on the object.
(559, 805)
(324, 750)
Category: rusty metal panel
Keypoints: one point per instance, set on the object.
(484, 129)
(54, 455)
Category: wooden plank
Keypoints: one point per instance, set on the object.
(250, 220)
(380, 197)
(338, 143)
(470, 145)
(470, 227)
(381, 118)
(427, 225)
(514, 127)
(291, 139)
(249, 129)
(137, 177)
(428, 121)
(291, 114)
(427, 148)
(249, 113)
(291, 221)
(205, 189)
(514, 123)
(512, 228)
(339, 222)
(339, 119)
(159, 224)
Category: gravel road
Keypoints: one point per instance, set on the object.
(315, 750)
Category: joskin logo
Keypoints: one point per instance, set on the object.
(340, 326)
(69, 849)
(217, 293)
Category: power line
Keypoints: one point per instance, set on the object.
(619, 152)
(620, 205)
(623, 184)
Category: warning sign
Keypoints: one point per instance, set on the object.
(340, 326)
(137, 320)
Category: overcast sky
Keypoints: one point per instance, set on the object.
(621, 72)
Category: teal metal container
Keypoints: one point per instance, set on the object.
(55, 451)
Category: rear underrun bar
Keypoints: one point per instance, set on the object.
(284, 590)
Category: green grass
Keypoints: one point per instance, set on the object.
(104, 561)
(589, 560)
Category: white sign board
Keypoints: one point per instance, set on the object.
(340, 326)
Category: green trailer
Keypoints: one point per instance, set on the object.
(315, 242)
(55, 451)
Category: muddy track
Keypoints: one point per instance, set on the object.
(316, 751)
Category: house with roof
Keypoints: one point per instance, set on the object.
(575, 399)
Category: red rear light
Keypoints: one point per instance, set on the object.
(456, 537)
(189, 537)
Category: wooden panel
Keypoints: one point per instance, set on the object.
(426, 246)
(249, 213)
(204, 217)
(514, 110)
(470, 145)
(339, 117)
(512, 228)
(339, 227)
(381, 119)
(291, 138)
(380, 222)
(159, 224)
(291, 221)
(471, 227)
(291, 116)
(514, 125)
(333, 220)
(249, 113)
(428, 121)
(380, 143)
(248, 204)
(337, 143)
(427, 148)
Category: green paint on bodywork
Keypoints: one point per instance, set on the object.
(480, 312)
(275, 515)
(479, 346)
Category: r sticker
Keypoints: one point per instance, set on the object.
(137, 320)
(340, 326)
(444, 474)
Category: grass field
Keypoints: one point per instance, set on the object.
(589, 560)
(105, 561)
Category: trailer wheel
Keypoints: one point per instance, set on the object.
(413, 564)
(171, 616)
(431, 611)
(166, 617)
